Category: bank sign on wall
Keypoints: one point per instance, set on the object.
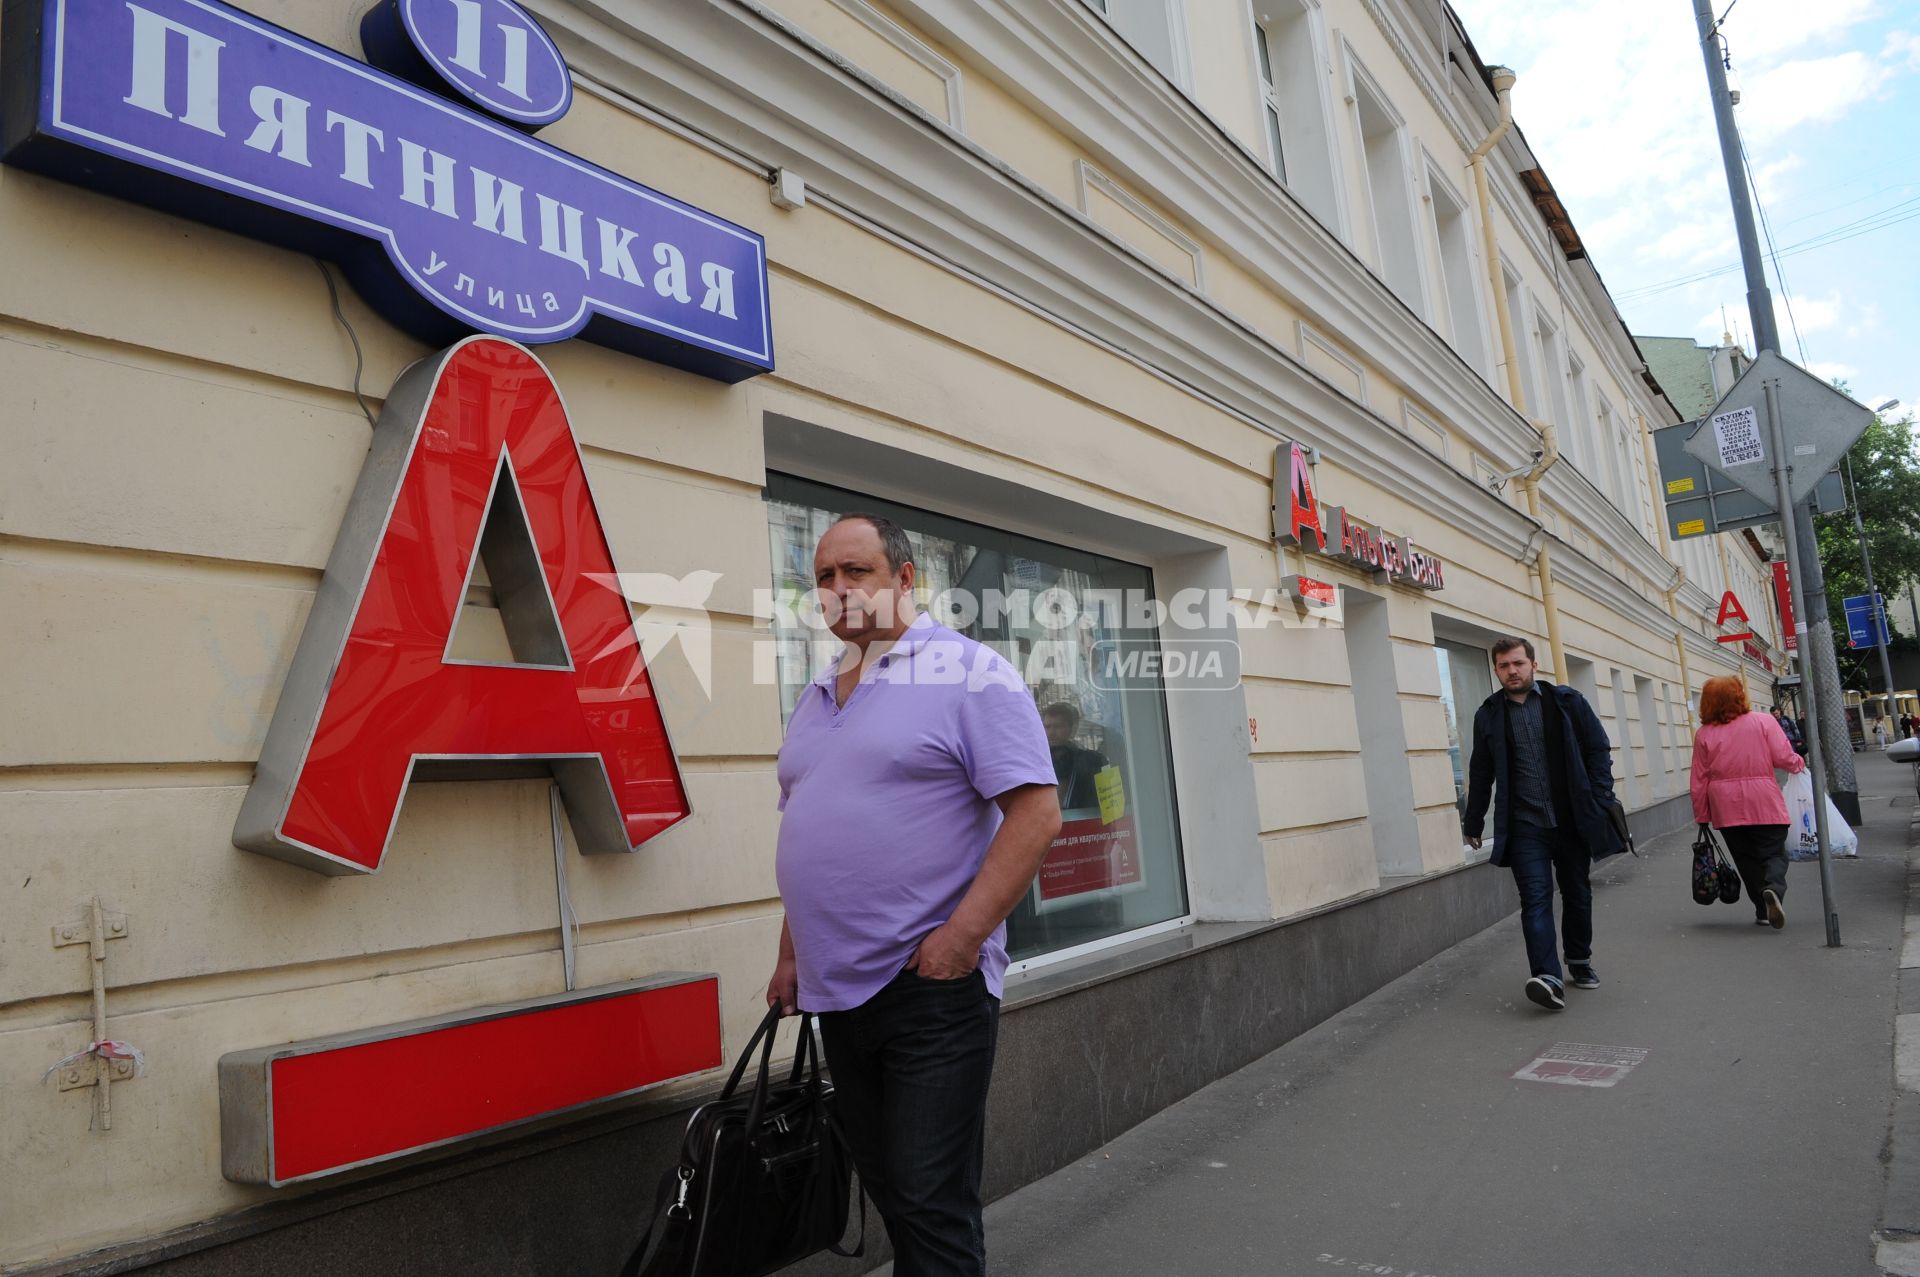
(423, 181)
(436, 201)
(1300, 519)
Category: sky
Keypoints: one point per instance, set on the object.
(1612, 96)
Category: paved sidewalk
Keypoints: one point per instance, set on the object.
(1394, 1138)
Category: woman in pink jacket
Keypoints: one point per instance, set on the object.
(1734, 756)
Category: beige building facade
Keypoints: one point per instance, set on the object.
(1059, 284)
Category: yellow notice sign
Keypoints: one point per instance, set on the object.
(1691, 528)
(1677, 486)
(1112, 794)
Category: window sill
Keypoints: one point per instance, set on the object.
(1076, 974)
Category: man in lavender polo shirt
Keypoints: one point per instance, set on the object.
(919, 800)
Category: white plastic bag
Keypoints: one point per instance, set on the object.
(1845, 841)
(1803, 839)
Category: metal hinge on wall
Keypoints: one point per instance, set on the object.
(104, 1061)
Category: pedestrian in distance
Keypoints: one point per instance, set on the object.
(918, 799)
(1735, 753)
(1791, 730)
(1542, 746)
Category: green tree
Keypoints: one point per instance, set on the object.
(1886, 477)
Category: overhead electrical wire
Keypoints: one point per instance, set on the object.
(1766, 229)
(1876, 221)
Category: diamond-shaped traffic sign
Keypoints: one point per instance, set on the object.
(1817, 421)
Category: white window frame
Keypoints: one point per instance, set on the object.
(1319, 185)
(1599, 463)
(1271, 113)
(1474, 320)
(1359, 80)
(1525, 347)
(1175, 12)
(1550, 344)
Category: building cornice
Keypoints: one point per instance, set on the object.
(736, 73)
(749, 79)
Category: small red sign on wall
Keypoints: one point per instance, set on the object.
(305, 1110)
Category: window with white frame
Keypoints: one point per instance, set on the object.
(1466, 679)
(1453, 237)
(1383, 166)
(1263, 42)
(1553, 378)
(1055, 613)
(1593, 457)
(1609, 441)
(1521, 319)
(1157, 28)
(1614, 430)
(1287, 40)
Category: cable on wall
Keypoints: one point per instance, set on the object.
(359, 358)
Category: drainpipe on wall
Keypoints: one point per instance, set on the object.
(1543, 564)
(1503, 79)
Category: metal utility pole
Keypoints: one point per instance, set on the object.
(1880, 640)
(1826, 713)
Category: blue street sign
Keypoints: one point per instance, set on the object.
(446, 218)
(1866, 619)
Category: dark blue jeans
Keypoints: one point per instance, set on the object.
(910, 1072)
(1537, 856)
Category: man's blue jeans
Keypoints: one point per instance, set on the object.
(1537, 856)
(910, 1071)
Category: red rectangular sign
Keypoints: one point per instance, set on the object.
(1783, 598)
(316, 1108)
(1090, 856)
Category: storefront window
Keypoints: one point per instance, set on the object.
(1058, 615)
(1466, 679)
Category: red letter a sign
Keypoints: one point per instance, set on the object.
(473, 458)
(1296, 510)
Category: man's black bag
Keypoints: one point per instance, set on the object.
(1617, 817)
(764, 1178)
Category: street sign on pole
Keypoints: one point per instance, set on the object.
(1818, 424)
(1700, 500)
(1866, 619)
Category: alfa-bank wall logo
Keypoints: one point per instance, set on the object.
(473, 463)
(448, 219)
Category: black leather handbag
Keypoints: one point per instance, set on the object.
(1617, 817)
(1729, 877)
(1706, 867)
(764, 1177)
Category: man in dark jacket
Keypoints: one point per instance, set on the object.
(1554, 765)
